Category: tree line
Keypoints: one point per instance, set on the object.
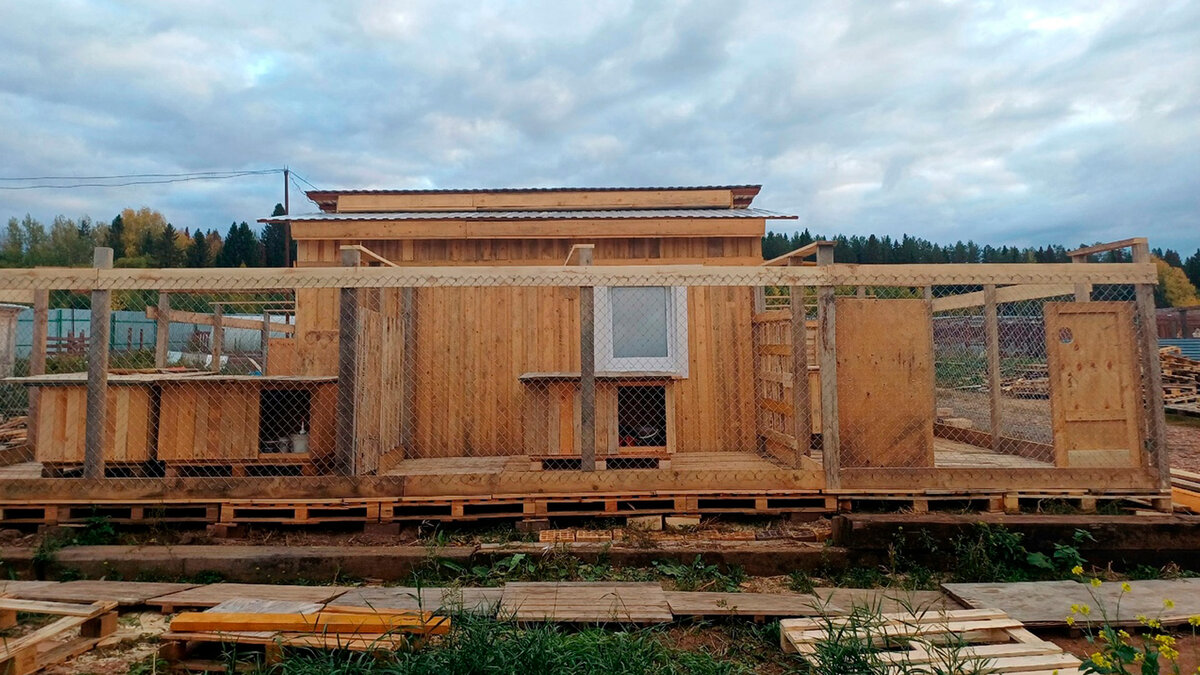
(140, 238)
(1178, 278)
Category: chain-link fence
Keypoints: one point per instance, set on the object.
(493, 383)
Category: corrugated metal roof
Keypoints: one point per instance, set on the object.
(1189, 346)
(468, 191)
(533, 215)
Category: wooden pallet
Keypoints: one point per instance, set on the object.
(983, 639)
(299, 512)
(56, 641)
(631, 459)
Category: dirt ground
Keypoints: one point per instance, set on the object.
(1183, 439)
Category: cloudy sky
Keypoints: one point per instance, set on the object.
(1006, 122)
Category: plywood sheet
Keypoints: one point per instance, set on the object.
(435, 599)
(1048, 603)
(886, 600)
(124, 593)
(14, 587)
(742, 604)
(885, 382)
(1094, 390)
(584, 602)
(214, 594)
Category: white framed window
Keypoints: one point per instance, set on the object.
(641, 329)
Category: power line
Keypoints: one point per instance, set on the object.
(305, 180)
(47, 186)
(142, 175)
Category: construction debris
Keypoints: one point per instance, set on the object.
(1180, 377)
(14, 432)
(79, 628)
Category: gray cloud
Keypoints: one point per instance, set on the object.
(1025, 123)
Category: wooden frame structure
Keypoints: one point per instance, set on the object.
(398, 292)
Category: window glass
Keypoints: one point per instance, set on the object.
(641, 318)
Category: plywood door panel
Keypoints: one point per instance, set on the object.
(61, 413)
(199, 422)
(885, 382)
(1094, 389)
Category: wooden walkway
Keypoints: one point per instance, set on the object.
(1048, 603)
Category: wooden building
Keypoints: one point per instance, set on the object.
(495, 371)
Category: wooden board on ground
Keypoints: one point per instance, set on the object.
(885, 382)
(124, 593)
(961, 640)
(215, 594)
(886, 600)
(431, 599)
(13, 587)
(583, 602)
(1048, 603)
(685, 603)
(78, 628)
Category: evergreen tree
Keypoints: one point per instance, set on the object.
(198, 251)
(116, 237)
(274, 244)
(1191, 267)
(168, 252)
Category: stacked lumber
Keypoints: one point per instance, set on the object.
(971, 640)
(14, 432)
(1180, 377)
(274, 625)
(78, 629)
(1032, 381)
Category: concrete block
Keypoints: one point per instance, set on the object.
(677, 522)
(649, 523)
(530, 525)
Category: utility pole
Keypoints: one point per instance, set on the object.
(287, 228)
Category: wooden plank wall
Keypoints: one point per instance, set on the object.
(379, 381)
(130, 431)
(472, 344)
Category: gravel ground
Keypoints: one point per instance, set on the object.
(1183, 439)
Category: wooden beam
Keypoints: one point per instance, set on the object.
(583, 257)
(1132, 242)
(202, 319)
(265, 339)
(991, 329)
(564, 228)
(162, 329)
(536, 200)
(348, 329)
(576, 251)
(1003, 294)
(370, 254)
(260, 279)
(217, 341)
(1151, 371)
(37, 357)
(96, 424)
(801, 413)
(319, 622)
(827, 359)
(408, 379)
(798, 254)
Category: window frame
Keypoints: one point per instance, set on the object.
(676, 360)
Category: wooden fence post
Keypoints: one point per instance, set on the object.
(1083, 292)
(991, 328)
(827, 335)
(162, 330)
(218, 336)
(583, 255)
(408, 382)
(96, 425)
(1152, 370)
(37, 357)
(347, 368)
(801, 414)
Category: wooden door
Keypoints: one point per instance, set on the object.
(885, 382)
(1095, 397)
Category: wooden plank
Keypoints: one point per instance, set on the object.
(1151, 366)
(202, 319)
(37, 359)
(792, 258)
(429, 598)
(214, 594)
(124, 593)
(700, 603)
(537, 200)
(96, 422)
(1111, 246)
(1047, 603)
(348, 329)
(587, 366)
(585, 602)
(319, 622)
(1004, 294)
(801, 428)
(828, 362)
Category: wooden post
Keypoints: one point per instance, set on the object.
(97, 388)
(801, 414)
(827, 357)
(347, 368)
(162, 330)
(265, 339)
(218, 336)
(1083, 292)
(991, 327)
(408, 379)
(1152, 371)
(583, 255)
(37, 357)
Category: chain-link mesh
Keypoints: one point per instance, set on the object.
(487, 391)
